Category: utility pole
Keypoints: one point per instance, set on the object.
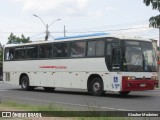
(64, 31)
(47, 33)
(46, 26)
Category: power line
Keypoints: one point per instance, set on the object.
(107, 30)
(102, 31)
(37, 35)
(116, 25)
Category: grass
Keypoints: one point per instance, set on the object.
(13, 106)
(50, 107)
(25, 107)
(54, 110)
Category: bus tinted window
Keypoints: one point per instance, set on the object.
(20, 53)
(60, 50)
(132, 43)
(100, 45)
(9, 54)
(95, 48)
(91, 48)
(78, 49)
(45, 51)
(109, 49)
(32, 52)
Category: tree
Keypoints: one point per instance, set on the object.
(154, 20)
(13, 39)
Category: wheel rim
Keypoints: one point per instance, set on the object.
(96, 87)
(24, 83)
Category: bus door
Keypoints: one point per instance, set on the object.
(113, 63)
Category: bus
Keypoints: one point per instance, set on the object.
(96, 63)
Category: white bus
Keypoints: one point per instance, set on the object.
(96, 63)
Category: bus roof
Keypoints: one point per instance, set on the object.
(83, 36)
(80, 37)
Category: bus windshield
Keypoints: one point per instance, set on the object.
(139, 57)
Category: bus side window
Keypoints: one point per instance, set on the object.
(32, 52)
(45, 51)
(100, 45)
(60, 50)
(91, 48)
(9, 54)
(95, 48)
(20, 53)
(78, 49)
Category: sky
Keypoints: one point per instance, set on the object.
(124, 17)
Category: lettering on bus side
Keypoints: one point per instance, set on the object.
(54, 67)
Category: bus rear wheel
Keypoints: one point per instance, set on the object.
(96, 87)
(25, 84)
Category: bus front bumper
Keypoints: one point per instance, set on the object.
(139, 85)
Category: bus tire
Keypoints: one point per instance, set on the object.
(124, 93)
(96, 87)
(25, 84)
(49, 89)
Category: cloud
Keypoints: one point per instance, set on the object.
(39, 5)
(96, 14)
(109, 8)
(140, 30)
(82, 4)
(135, 29)
(65, 8)
(47, 5)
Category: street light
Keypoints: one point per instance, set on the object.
(46, 25)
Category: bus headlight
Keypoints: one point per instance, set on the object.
(153, 77)
(131, 77)
(128, 77)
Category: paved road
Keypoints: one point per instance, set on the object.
(136, 101)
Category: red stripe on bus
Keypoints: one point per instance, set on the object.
(54, 67)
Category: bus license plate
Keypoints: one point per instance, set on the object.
(142, 85)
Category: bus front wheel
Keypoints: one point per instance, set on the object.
(97, 87)
(25, 83)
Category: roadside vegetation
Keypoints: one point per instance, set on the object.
(13, 106)
(26, 107)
